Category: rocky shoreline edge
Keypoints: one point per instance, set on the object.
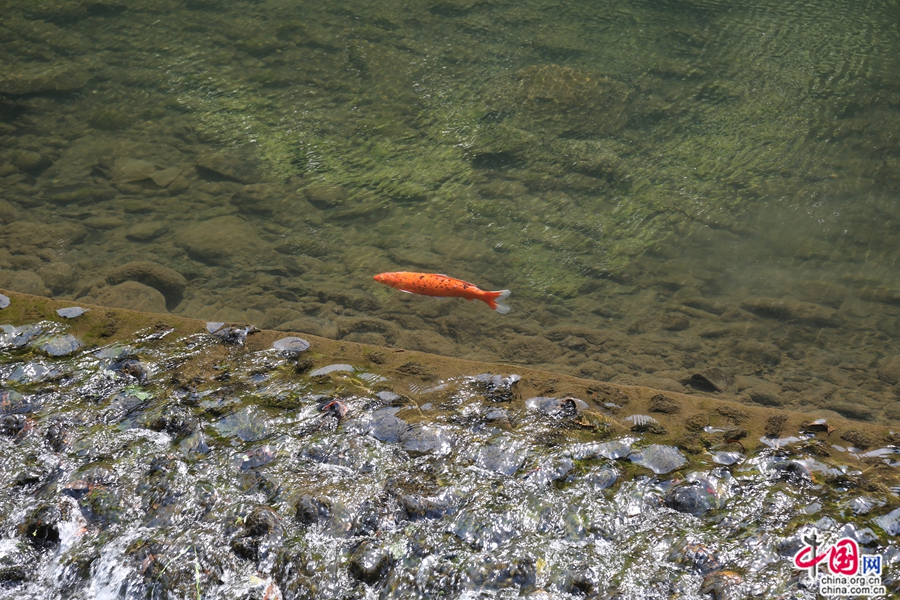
(692, 422)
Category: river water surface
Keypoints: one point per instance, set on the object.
(664, 186)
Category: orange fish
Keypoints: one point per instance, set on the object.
(441, 286)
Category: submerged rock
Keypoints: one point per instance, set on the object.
(59, 77)
(789, 309)
(238, 166)
(133, 296)
(221, 240)
(573, 99)
(713, 379)
(168, 282)
(24, 281)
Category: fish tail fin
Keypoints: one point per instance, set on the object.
(495, 301)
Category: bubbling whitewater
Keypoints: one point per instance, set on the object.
(210, 464)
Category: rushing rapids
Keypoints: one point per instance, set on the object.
(221, 462)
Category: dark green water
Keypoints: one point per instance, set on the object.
(664, 186)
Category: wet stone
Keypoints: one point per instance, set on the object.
(858, 438)
(757, 353)
(764, 397)
(387, 396)
(693, 498)
(55, 77)
(369, 563)
(642, 422)
(291, 346)
(262, 529)
(421, 504)
(12, 575)
(58, 436)
(220, 239)
(421, 440)
(889, 370)
(519, 572)
(60, 345)
(851, 409)
(385, 427)
(41, 527)
(4, 301)
(175, 420)
(71, 312)
(21, 336)
(890, 522)
(726, 454)
(719, 584)
(498, 388)
(560, 407)
(601, 479)
(13, 425)
(233, 335)
(503, 458)
(332, 369)
(557, 469)
(659, 459)
(256, 457)
(12, 402)
(774, 425)
(610, 450)
(310, 509)
(24, 281)
(245, 425)
(366, 520)
(257, 199)
(130, 367)
(789, 309)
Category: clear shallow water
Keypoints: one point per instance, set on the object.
(665, 187)
(186, 467)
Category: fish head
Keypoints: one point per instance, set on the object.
(382, 277)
